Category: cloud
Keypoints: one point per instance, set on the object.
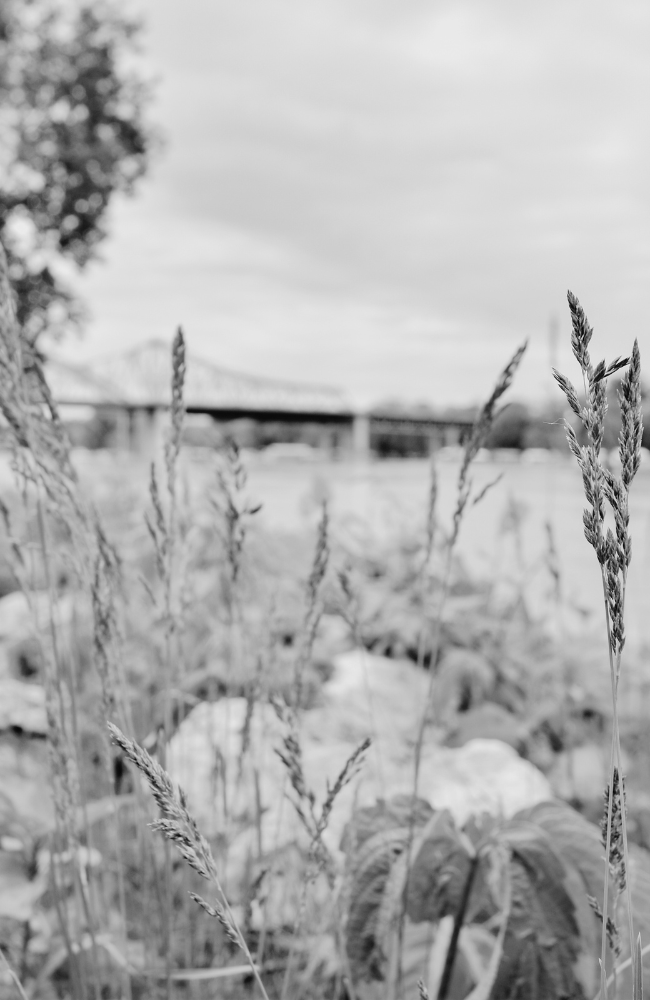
(389, 194)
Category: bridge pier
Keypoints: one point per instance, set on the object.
(436, 440)
(147, 432)
(361, 436)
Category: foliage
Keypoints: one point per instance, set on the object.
(510, 427)
(495, 909)
(520, 886)
(72, 134)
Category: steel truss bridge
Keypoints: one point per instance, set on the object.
(136, 386)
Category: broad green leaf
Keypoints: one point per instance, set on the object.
(368, 881)
(387, 814)
(542, 945)
(579, 845)
(575, 839)
(439, 871)
(374, 840)
(485, 984)
(537, 940)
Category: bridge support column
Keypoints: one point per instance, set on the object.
(361, 436)
(122, 435)
(147, 433)
(452, 435)
(436, 440)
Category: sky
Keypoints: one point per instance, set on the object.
(386, 195)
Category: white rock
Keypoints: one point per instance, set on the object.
(580, 773)
(484, 776)
(367, 696)
(22, 706)
(25, 782)
(16, 620)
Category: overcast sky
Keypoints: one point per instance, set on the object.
(387, 196)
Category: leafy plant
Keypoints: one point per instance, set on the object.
(497, 909)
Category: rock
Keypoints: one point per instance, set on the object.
(16, 620)
(465, 679)
(19, 894)
(22, 706)
(580, 774)
(488, 721)
(26, 801)
(484, 776)
(367, 696)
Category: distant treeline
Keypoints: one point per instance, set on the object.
(520, 426)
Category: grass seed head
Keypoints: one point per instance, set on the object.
(431, 513)
(177, 823)
(569, 391)
(631, 434)
(217, 912)
(616, 854)
(477, 438)
(349, 771)
(613, 936)
(581, 333)
(313, 605)
(173, 445)
(423, 992)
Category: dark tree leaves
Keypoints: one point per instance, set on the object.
(72, 134)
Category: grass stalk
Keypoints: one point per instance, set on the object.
(179, 827)
(614, 554)
(12, 975)
(476, 440)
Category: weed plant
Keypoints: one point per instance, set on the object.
(613, 551)
(140, 923)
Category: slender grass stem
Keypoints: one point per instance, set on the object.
(447, 972)
(80, 888)
(616, 752)
(419, 746)
(12, 975)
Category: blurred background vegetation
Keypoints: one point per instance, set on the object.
(73, 132)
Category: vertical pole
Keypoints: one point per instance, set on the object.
(361, 436)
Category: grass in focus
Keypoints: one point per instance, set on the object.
(145, 627)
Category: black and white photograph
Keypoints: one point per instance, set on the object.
(324, 500)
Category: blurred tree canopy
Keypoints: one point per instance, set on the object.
(72, 133)
(510, 426)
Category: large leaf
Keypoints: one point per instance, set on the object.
(439, 871)
(540, 943)
(552, 942)
(542, 937)
(366, 894)
(579, 845)
(374, 840)
(575, 839)
(386, 814)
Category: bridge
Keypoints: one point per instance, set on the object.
(135, 386)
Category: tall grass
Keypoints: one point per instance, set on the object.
(613, 551)
(142, 894)
(97, 960)
(465, 496)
